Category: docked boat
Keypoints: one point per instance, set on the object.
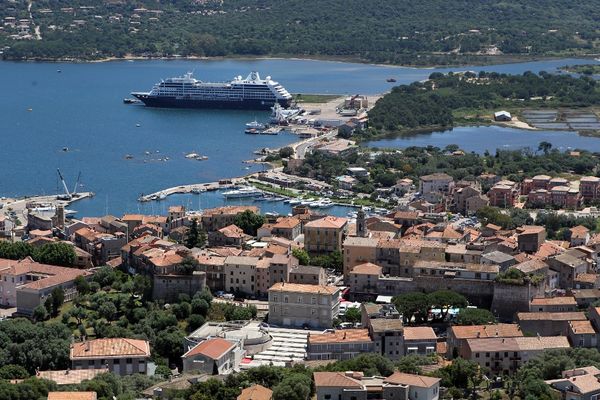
(307, 202)
(255, 125)
(187, 92)
(246, 191)
(294, 202)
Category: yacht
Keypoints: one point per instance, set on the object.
(246, 191)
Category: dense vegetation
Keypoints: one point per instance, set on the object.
(416, 306)
(384, 31)
(585, 69)
(386, 167)
(59, 253)
(437, 101)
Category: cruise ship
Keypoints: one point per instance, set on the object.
(187, 92)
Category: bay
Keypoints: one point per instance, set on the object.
(481, 138)
(81, 108)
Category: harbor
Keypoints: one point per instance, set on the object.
(97, 145)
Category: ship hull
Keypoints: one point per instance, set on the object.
(173, 102)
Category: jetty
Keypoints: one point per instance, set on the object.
(192, 188)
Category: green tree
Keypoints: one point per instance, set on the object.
(249, 222)
(82, 285)
(12, 371)
(40, 313)
(58, 298)
(352, 315)
(59, 253)
(196, 236)
(412, 305)
(458, 373)
(301, 255)
(475, 316)
(293, 387)
(286, 152)
(445, 300)
(545, 147)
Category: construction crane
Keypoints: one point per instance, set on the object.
(67, 195)
(74, 192)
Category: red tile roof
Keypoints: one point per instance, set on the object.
(213, 348)
(109, 348)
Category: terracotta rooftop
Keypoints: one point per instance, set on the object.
(400, 378)
(579, 232)
(213, 348)
(72, 396)
(582, 327)
(303, 288)
(340, 336)
(286, 223)
(366, 269)
(386, 324)
(583, 384)
(70, 376)
(551, 316)
(483, 331)
(256, 392)
(334, 379)
(109, 348)
(419, 333)
(232, 231)
(535, 343)
(229, 210)
(48, 275)
(329, 222)
(551, 301)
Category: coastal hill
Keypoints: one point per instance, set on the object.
(382, 31)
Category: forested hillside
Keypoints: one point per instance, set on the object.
(437, 31)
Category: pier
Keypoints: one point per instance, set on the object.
(192, 188)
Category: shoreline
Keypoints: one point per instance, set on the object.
(488, 60)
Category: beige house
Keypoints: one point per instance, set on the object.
(240, 274)
(504, 356)
(358, 250)
(342, 344)
(214, 356)
(217, 218)
(363, 280)
(26, 284)
(121, 356)
(299, 305)
(458, 335)
(578, 384)
(325, 235)
(420, 387)
(433, 187)
(354, 386)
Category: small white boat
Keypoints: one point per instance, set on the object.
(162, 196)
(294, 202)
(307, 202)
(255, 125)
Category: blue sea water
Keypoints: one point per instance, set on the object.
(81, 108)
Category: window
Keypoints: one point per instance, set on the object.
(129, 361)
(285, 299)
